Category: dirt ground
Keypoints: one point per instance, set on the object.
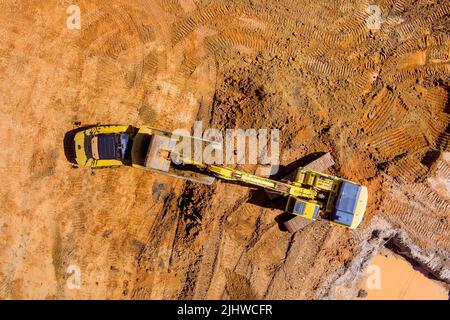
(377, 100)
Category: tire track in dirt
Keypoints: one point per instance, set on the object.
(212, 253)
(154, 260)
(290, 280)
(10, 271)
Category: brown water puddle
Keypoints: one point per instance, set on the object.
(391, 277)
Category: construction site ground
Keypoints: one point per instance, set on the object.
(376, 99)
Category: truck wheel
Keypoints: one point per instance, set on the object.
(295, 224)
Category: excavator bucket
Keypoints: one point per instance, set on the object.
(296, 223)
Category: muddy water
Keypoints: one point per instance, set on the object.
(392, 277)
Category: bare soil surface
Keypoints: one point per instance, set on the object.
(377, 100)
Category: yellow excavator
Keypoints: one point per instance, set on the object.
(311, 194)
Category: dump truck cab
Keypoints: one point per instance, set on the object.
(103, 146)
(113, 146)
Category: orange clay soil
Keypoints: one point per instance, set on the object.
(377, 100)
